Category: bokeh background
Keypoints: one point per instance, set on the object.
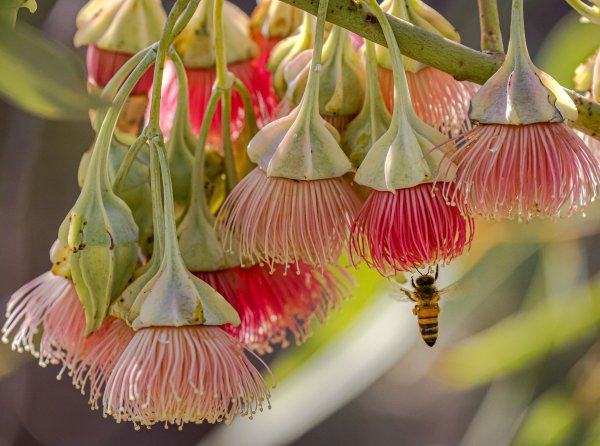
(518, 360)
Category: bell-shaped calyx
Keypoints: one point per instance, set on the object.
(125, 26)
(519, 93)
(166, 293)
(421, 15)
(374, 117)
(102, 236)
(342, 76)
(276, 19)
(129, 173)
(300, 146)
(286, 50)
(404, 157)
(195, 43)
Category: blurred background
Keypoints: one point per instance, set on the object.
(517, 362)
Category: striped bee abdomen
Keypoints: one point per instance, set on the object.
(428, 315)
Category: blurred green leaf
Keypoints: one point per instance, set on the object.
(592, 437)
(568, 44)
(518, 341)
(552, 421)
(42, 77)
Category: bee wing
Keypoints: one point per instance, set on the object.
(398, 292)
(451, 291)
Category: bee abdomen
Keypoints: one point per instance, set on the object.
(428, 325)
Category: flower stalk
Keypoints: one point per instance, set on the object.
(460, 61)
(491, 35)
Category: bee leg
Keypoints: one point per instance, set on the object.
(437, 271)
(415, 309)
(412, 281)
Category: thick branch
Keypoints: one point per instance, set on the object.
(491, 36)
(458, 60)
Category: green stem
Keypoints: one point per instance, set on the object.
(230, 172)
(166, 39)
(309, 105)
(111, 89)
(491, 35)
(223, 80)
(127, 162)
(197, 196)
(517, 46)
(158, 218)
(170, 229)
(402, 100)
(182, 112)
(99, 159)
(224, 83)
(592, 13)
(462, 62)
(249, 114)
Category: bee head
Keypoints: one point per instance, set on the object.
(425, 280)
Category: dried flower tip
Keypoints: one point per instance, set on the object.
(276, 220)
(183, 375)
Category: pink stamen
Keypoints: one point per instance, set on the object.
(508, 171)
(275, 220)
(404, 230)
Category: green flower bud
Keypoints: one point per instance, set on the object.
(134, 188)
(102, 236)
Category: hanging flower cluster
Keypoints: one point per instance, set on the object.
(225, 184)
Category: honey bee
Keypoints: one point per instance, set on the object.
(426, 296)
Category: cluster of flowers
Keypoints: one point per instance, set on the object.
(167, 270)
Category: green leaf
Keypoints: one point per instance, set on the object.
(42, 77)
(552, 421)
(568, 44)
(520, 340)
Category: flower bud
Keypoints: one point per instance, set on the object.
(342, 78)
(275, 19)
(288, 49)
(101, 234)
(134, 188)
